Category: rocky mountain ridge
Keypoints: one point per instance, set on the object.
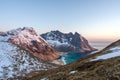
(28, 40)
(67, 42)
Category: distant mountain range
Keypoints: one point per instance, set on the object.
(67, 42)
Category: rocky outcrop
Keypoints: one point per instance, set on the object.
(68, 42)
(27, 39)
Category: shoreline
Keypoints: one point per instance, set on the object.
(61, 60)
(58, 62)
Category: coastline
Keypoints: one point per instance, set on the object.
(60, 61)
(63, 60)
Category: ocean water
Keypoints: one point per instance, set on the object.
(71, 57)
(100, 44)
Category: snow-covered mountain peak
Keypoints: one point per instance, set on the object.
(5, 36)
(67, 42)
(14, 31)
(27, 39)
(18, 30)
(25, 36)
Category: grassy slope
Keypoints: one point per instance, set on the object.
(96, 70)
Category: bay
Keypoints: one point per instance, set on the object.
(71, 57)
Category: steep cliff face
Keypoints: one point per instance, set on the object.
(27, 39)
(67, 42)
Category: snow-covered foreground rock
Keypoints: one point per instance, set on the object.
(15, 60)
(67, 42)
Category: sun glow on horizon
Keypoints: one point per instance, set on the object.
(102, 37)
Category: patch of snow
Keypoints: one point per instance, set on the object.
(115, 52)
(64, 40)
(44, 79)
(70, 39)
(57, 43)
(115, 48)
(72, 72)
(93, 52)
(4, 38)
